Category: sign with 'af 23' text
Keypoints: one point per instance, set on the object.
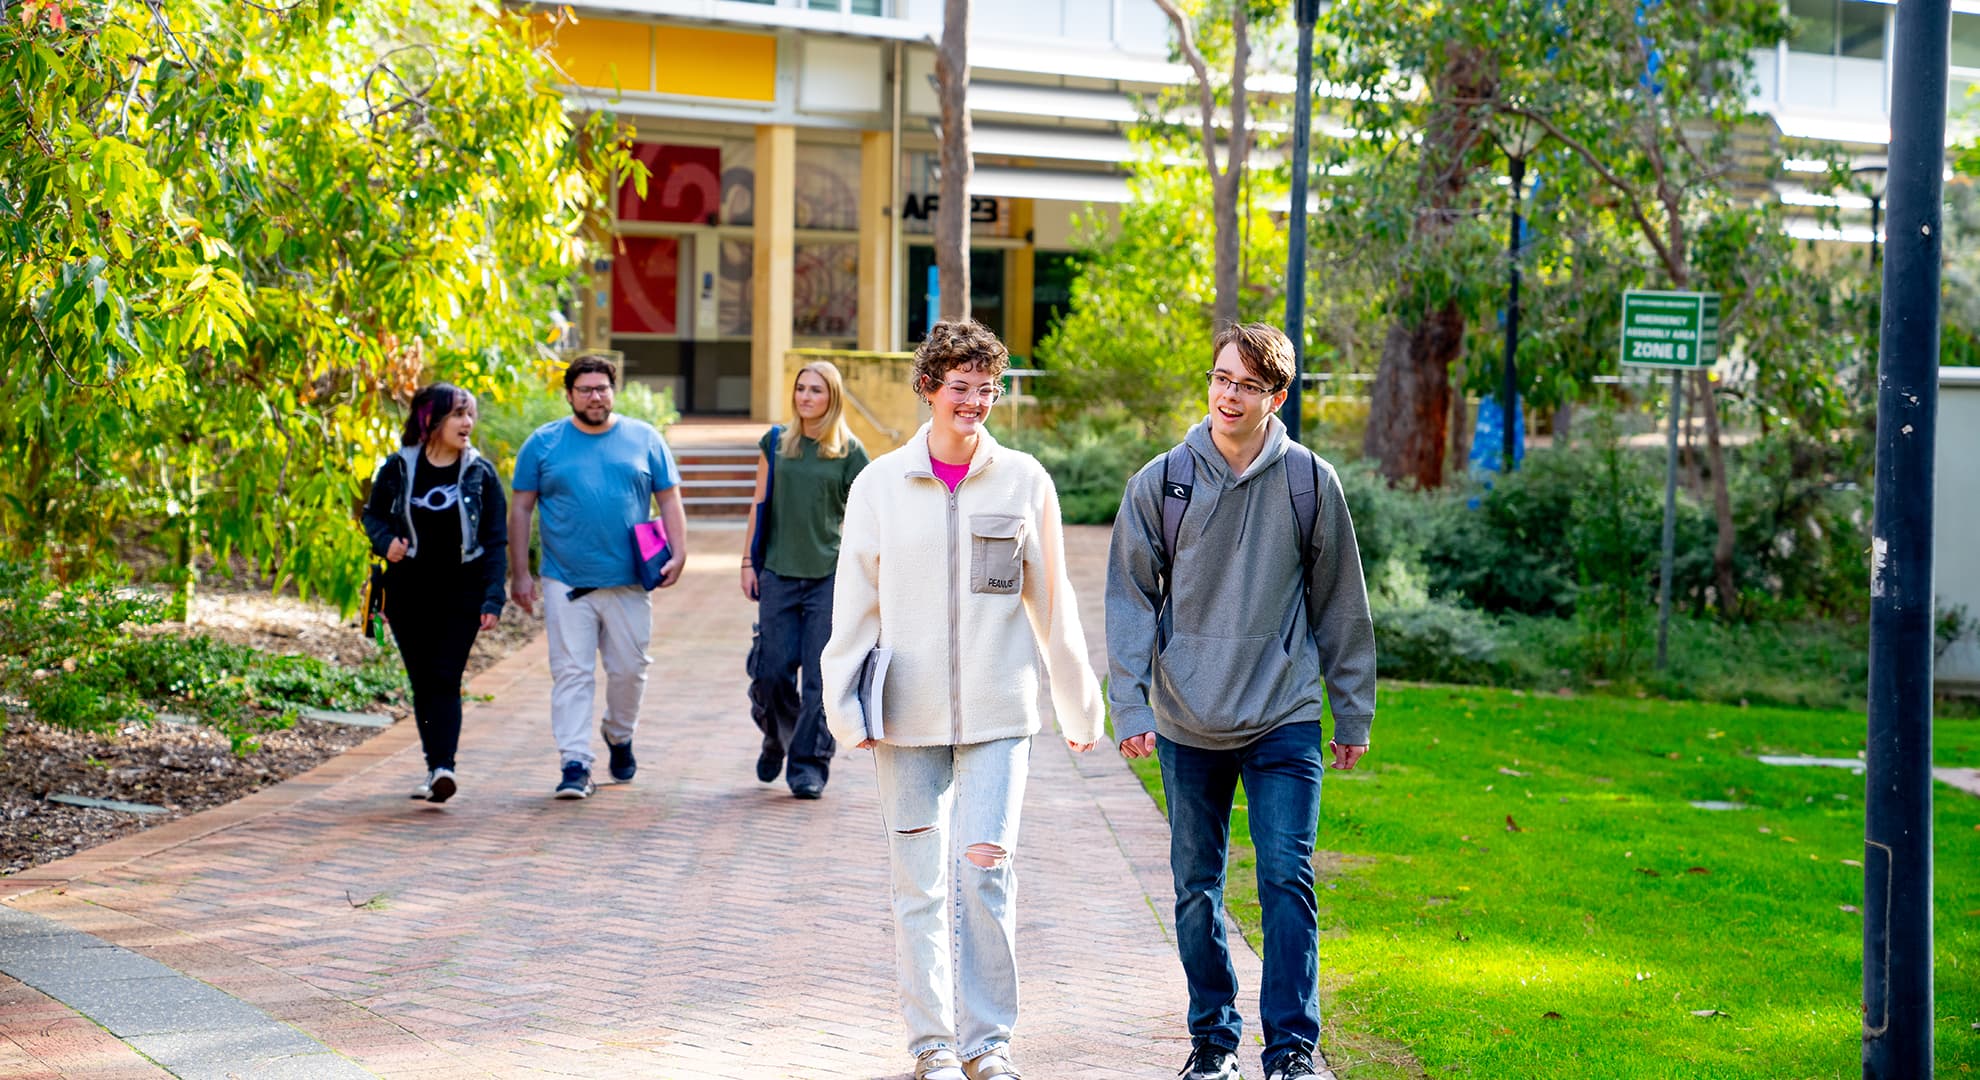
(1670, 329)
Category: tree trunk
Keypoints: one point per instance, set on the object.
(1407, 417)
(1460, 422)
(1227, 182)
(1722, 551)
(952, 211)
(1406, 420)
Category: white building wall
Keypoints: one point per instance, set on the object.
(1956, 510)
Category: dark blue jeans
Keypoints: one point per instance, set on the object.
(794, 620)
(1281, 773)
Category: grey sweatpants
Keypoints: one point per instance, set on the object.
(614, 625)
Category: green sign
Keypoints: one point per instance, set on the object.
(1670, 329)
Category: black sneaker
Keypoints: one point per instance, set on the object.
(440, 785)
(622, 765)
(577, 781)
(1293, 1065)
(768, 764)
(807, 791)
(1211, 1062)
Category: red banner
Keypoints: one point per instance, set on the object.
(646, 283)
(685, 185)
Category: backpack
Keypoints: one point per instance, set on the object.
(1179, 481)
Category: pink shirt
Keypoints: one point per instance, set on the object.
(947, 473)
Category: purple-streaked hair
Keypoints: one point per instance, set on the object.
(434, 403)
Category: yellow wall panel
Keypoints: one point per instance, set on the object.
(606, 53)
(715, 63)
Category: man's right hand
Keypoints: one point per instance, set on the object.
(1141, 745)
(522, 589)
(397, 549)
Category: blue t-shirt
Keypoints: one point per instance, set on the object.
(592, 489)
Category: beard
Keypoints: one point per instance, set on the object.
(592, 414)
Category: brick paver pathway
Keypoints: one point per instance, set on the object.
(694, 923)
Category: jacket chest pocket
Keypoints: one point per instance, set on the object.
(996, 553)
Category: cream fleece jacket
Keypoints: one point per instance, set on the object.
(970, 591)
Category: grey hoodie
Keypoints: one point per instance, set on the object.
(1233, 658)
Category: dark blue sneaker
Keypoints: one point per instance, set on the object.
(623, 766)
(577, 781)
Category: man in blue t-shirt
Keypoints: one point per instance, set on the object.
(594, 475)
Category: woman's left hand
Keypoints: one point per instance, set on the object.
(488, 620)
(1079, 747)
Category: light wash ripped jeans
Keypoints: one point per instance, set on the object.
(955, 922)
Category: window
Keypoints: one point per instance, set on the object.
(1965, 40)
(1814, 26)
(1051, 292)
(986, 289)
(1863, 30)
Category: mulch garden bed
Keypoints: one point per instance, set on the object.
(186, 769)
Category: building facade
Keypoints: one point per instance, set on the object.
(792, 145)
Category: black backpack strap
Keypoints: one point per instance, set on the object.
(1178, 482)
(1303, 484)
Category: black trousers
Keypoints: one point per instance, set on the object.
(435, 635)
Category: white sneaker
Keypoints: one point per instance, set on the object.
(940, 1063)
(425, 789)
(440, 785)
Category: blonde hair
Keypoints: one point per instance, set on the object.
(835, 438)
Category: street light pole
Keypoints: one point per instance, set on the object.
(1307, 13)
(1509, 388)
(1897, 835)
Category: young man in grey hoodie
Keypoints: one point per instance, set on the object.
(1220, 629)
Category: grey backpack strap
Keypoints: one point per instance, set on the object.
(1304, 487)
(1178, 481)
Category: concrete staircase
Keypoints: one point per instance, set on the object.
(718, 481)
(717, 456)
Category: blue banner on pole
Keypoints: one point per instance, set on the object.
(1488, 448)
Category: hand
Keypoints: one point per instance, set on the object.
(1139, 746)
(865, 744)
(749, 582)
(522, 589)
(488, 620)
(1345, 756)
(1079, 747)
(397, 549)
(671, 572)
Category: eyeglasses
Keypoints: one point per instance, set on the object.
(593, 391)
(1220, 382)
(960, 393)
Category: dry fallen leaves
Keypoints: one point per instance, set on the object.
(1647, 872)
(1511, 825)
(1709, 1012)
(1550, 1015)
(1696, 870)
(1849, 908)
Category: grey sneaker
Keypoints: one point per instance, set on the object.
(1293, 1065)
(1211, 1062)
(940, 1063)
(440, 785)
(576, 783)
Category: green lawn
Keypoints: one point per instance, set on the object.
(1583, 944)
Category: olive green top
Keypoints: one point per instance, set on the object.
(807, 505)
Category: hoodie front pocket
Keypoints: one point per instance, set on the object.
(1217, 683)
(996, 553)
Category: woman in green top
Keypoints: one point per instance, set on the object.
(816, 458)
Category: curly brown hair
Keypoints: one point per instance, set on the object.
(585, 364)
(965, 345)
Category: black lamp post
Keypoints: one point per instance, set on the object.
(1875, 174)
(1307, 12)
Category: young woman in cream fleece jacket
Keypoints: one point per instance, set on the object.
(953, 556)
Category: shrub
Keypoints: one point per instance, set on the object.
(1091, 459)
(72, 654)
(1437, 642)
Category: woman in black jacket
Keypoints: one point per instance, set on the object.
(438, 517)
